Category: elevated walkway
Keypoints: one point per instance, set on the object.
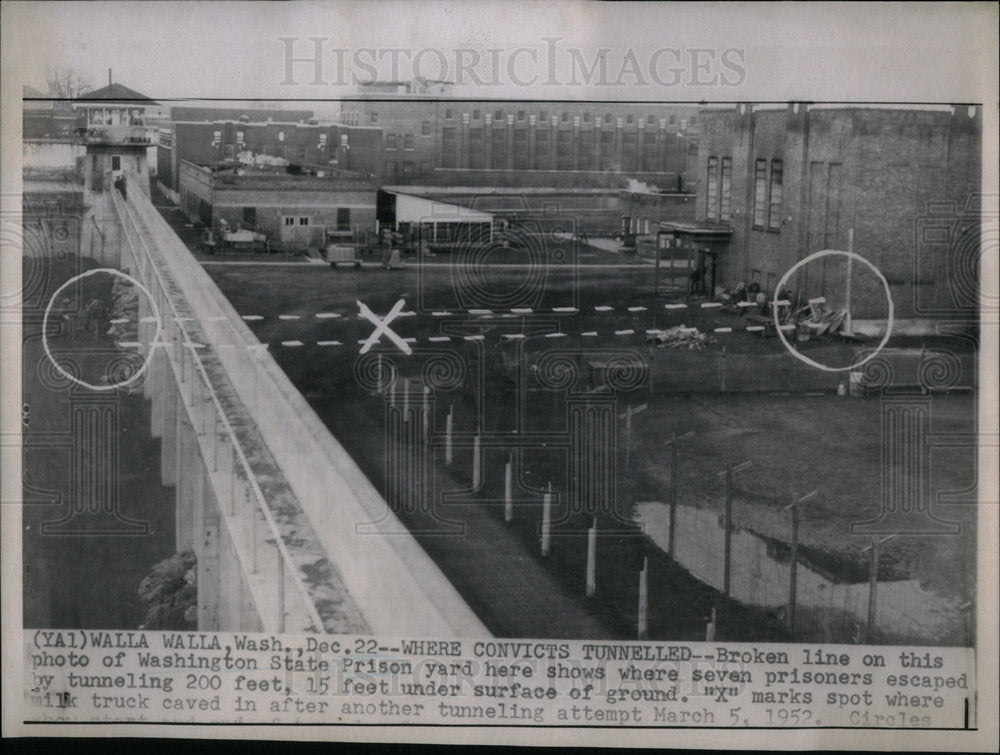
(290, 534)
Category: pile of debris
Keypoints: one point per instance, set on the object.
(816, 318)
(681, 337)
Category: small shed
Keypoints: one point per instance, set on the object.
(430, 220)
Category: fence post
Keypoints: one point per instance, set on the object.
(727, 562)
(872, 589)
(793, 571)
(281, 590)
(643, 621)
(873, 585)
(546, 520)
(426, 414)
(592, 559)
(673, 487)
(508, 502)
(447, 436)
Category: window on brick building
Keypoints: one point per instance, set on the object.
(630, 119)
(586, 117)
(425, 128)
(373, 117)
(390, 141)
(288, 220)
(281, 136)
(760, 194)
(774, 207)
(476, 115)
(520, 115)
(390, 167)
(565, 117)
(607, 118)
(543, 116)
(712, 193)
(304, 220)
(343, 218)
(447, 115)
(651, 120)
(726, 195)
(672, 120)
(408, 141)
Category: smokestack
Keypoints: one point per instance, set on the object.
(109, 77)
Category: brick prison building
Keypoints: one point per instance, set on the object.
(780, 183)
(211, 136)
(433, 138)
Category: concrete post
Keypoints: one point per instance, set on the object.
(208, 561)
(508, 501)
(592, 559)
(447, 436)
(477, 472)
(168, 444)
(158, 369)
(643, 620)
(546, 520)
(426, 414)
(189, 483)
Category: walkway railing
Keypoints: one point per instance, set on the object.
(397, 587)
(196, 386)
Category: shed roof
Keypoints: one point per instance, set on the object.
(413, 209)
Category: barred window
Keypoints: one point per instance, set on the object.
(774, 208)
(726, 198)
(712, 209)
(760, 194)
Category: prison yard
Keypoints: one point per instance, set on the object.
(603, 406)
(550, 411)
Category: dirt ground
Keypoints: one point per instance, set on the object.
(796, 442)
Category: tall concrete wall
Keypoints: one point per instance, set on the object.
(207, 364)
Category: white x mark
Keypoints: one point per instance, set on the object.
(382, 326)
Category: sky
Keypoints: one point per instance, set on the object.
(552, 50)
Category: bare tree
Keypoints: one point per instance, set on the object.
(65, 83)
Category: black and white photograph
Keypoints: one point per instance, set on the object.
(556, 365)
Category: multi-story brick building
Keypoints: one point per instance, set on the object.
(434, 138)
(305, 143)
(786, 182)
